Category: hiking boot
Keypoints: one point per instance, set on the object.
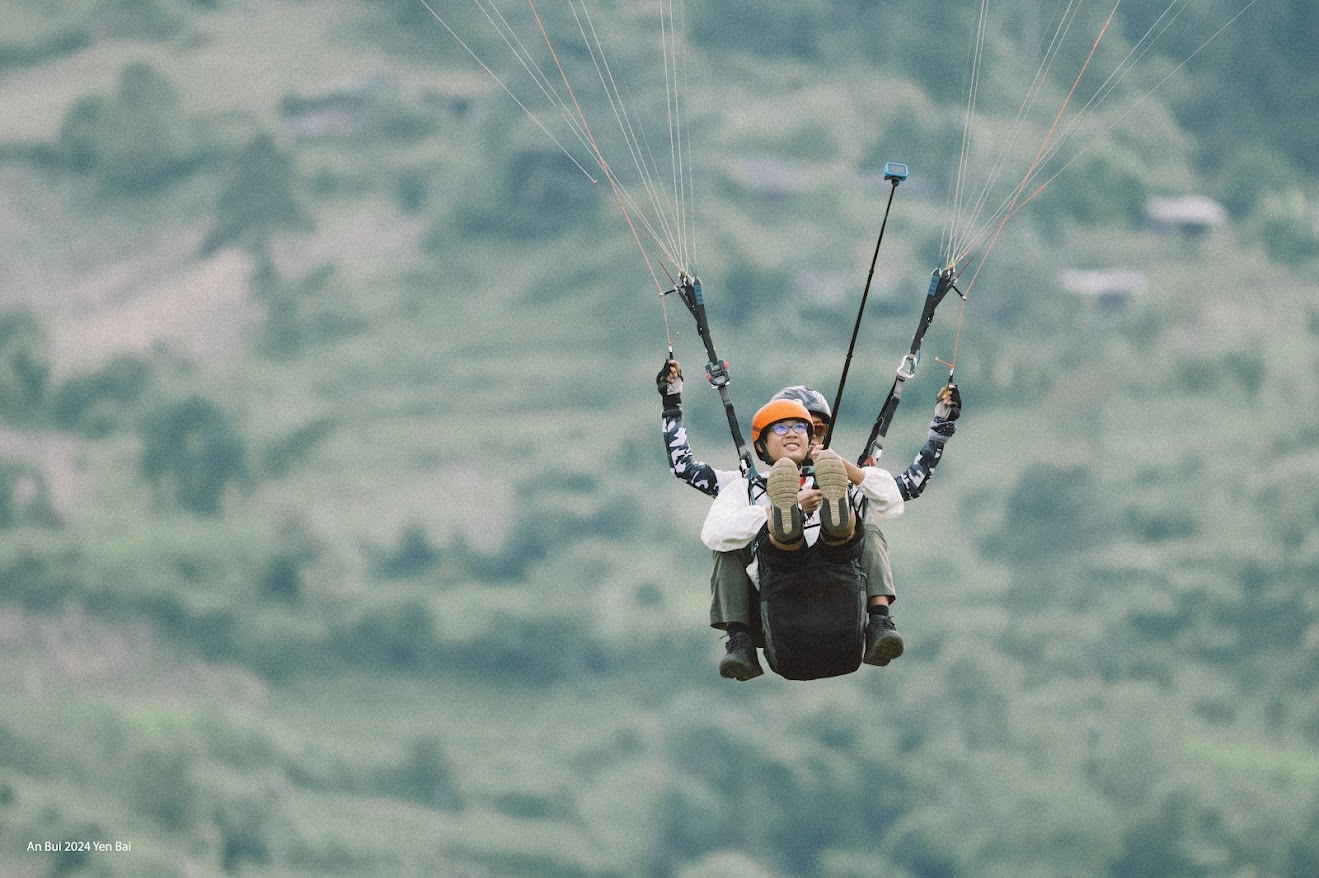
(785, 519)
(883, 642)
(836, 510)
(741, 662)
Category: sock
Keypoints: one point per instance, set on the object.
(879, 610)
(735, 627)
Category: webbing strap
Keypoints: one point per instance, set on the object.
(716, 370)
(941, 281)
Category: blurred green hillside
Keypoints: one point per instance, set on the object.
(336, 532)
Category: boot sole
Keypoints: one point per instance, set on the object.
(731, 670)
(835, 511)
(884, 650)
(785, 519)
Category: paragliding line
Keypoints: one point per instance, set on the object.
(1015, 202)
(604, 166)
(509, 92)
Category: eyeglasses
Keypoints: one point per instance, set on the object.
(783, 427)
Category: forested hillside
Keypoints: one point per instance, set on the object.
(336, 531)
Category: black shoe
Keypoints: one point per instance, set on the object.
(741, 662)
(883, 642)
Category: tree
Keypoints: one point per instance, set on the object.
(540, 193)
(23, 366)
(259, 200)
(1053, 510)
(93, 403)
(135, 141)
(191, 449)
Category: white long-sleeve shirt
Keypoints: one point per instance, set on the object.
(733, 521)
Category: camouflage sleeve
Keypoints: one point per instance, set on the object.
(698, 474)
(918, 475)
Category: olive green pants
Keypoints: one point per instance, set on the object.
(733, 597)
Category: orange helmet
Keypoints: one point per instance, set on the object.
(774, 411)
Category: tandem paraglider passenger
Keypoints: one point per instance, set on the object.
(735, 600)
(804, 537)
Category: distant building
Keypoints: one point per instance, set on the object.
(1111, 290)
(1190, 216)
(349, 109)
(340, 112)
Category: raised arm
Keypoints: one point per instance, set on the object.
(698, 474)
(946, 411)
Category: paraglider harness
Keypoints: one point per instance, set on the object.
(813, 604)
(811, 610)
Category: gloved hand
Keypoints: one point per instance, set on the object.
(669, 383)
(947, 409)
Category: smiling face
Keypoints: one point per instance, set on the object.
(794, 442)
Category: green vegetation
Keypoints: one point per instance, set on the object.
(336, 537)
(135, 140)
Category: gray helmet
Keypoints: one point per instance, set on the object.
(814, 400)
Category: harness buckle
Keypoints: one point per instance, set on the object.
(717, 373)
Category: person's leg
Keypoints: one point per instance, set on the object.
(735, 608)
(883, 642)
(733, 597)
(879, 570)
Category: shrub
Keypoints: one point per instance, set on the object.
(292, 448)
(774, 31)
(401, 636)
(292, 320)
(259, 199)
(23, 366)
(192, 450)
(134, 141)
(1202, 374)
(161, 785)
(282, 579)
(540, 194)
(414, 555)
(1052, 511)
(36, 51)
(424, 777)
(24, 495)
(91, 404)
(244, 823)
(140, 19)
